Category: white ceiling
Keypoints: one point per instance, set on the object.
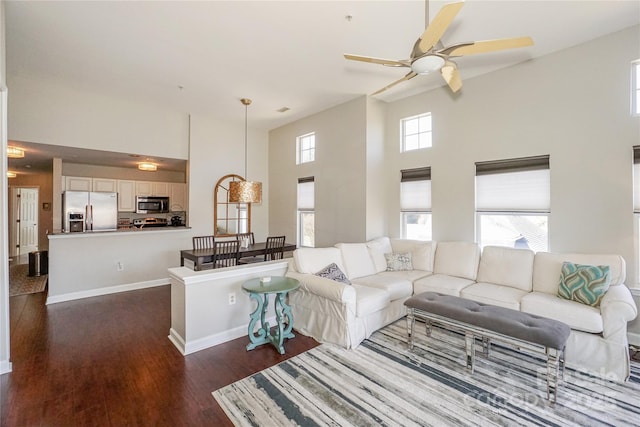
(278, 53)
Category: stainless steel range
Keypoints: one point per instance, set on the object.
(150, 222)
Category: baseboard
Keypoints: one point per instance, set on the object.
(5, 367)
(210, 341)
(106, 291)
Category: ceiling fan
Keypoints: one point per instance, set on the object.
(429, 55)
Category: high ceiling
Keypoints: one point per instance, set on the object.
(203, 56)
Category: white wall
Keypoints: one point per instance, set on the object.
(339, 171)
(216, 150)
(5, 364)
(48, 112)
(566, 105)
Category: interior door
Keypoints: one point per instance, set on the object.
(28, 217)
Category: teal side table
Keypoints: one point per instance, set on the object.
(260, 291)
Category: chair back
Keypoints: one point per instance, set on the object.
(226, 253)
(249, 236)
(274, 249)
(203, 242)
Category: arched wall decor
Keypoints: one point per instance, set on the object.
(229, 218)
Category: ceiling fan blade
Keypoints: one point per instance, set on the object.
(381, 61)
(487, 46)
(450, 74)
(409, 76)
(438, 26)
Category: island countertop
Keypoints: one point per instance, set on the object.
(143, 230)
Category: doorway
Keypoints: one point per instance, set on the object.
(23, 220)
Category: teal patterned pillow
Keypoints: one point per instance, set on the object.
(398, 262)
(585, 284)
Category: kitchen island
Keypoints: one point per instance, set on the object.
(89, 264)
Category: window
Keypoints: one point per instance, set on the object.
(635, 88)
(416, 132)
(415, 203)
(513, 203)
(306, 213)
(306, 151)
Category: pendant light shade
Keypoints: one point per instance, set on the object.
(245, 191)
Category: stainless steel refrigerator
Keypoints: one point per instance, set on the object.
(89, 211)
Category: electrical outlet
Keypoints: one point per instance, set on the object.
(119, 266)
(232, 298)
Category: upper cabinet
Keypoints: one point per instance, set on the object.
(178, 196)
(126, 196)
(104, 184)
(78, 183)
(144, 188)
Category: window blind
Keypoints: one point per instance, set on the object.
(514, 185)
(636, 179)
(306, 193)
(415, 190)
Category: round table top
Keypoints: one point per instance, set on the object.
(275, 285)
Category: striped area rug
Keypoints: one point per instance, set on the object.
(382, 383)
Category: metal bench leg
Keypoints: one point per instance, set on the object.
(470, 350)
(553, 364)
(411, 320)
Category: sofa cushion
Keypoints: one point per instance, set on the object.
(585, 284)
(449, 285)
(312, 260)
(458, 259)
(489, 293)
(579, 316)
(422, 253)
(377, 248)
(369, 300)
(506, 266)
(396, 285)
(333, 272)
(356, 260)
(547, 266)
(399, 261)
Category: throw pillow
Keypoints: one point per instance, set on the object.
(585, 284)
(333, 272)
(398, 262)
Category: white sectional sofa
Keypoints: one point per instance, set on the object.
(344, 314)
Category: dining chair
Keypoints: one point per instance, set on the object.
(226, 253)
(203, 242)
(274, 249)
(249, 236)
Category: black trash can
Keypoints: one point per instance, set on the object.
(38, 263)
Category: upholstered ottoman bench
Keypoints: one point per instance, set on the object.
(489, 322)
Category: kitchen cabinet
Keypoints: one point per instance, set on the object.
(178, 196)
(104, 184)
(78, 183)
(160, 189)
(144, 188)
(126, 196)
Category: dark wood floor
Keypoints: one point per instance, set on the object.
(107, 361)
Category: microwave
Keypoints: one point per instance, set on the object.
(152, 204)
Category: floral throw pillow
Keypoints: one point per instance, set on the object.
(333, 272)
(585, 284)
(398, 261)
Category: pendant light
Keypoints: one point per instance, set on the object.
(245, 191)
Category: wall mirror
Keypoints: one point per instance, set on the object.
(229, 218)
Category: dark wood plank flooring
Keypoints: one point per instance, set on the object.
(107, 361)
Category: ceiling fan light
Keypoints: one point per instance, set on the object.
(147, 167)
(427, 64)
(245, 192)
(15, 152)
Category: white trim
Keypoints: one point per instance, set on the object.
(190, 277)
(211, 340)
(5, 367)
(107, 290)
